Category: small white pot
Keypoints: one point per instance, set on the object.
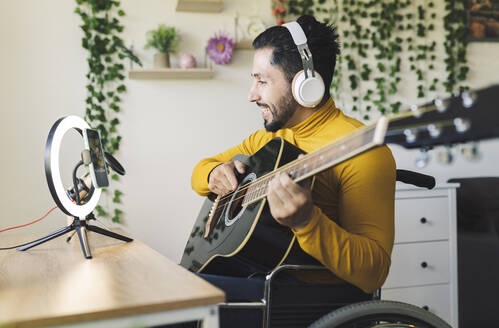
(161, 60)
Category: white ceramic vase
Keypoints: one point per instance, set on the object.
(161, 60)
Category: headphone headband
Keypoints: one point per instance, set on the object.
(300, 41)
(296, 33)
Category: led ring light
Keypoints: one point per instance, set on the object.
(52, 171)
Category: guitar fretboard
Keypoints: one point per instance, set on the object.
(319, 160)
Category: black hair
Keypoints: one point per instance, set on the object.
(322, 40)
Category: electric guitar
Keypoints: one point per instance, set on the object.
(237, 229)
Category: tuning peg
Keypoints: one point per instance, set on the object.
(471, 152)
(434, 130)
(410, 135)
(422, 159)
(441, 105)
(462, 125)
(445, 156)
(415, 109)
(468, 99)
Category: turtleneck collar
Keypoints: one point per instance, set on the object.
(311, 125)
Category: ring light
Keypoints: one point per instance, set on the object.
(82, 213)
(52, 170)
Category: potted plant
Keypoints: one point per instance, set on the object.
(165, 40)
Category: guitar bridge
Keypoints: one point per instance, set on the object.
(210, 223)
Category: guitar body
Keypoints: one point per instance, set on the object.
(245, 240)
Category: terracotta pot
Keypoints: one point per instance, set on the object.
(161, 60)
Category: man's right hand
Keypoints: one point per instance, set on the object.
(222, 178)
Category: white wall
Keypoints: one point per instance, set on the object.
(167, 125)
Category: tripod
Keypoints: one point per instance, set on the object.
(80, 226)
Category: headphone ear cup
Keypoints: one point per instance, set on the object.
(308, 92)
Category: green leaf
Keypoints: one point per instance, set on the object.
(381, 67)
(121, 88)
(100, 211)
(117, 196)
(117, 215)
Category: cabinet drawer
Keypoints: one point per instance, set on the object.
(420, 219)
(419, 264)
(436, 298)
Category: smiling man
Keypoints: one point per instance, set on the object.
(346, 221)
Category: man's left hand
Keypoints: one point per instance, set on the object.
(290, 204)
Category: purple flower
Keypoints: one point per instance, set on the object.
(219, 48)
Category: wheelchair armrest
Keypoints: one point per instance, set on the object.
(295, 267)
(415, 178)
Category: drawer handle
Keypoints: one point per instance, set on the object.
(426, 307)
(424, 265)
(423, 220)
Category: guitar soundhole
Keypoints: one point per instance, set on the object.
(234, 208)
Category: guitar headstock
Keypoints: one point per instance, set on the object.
(471, 115)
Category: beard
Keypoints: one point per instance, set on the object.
(281, 112)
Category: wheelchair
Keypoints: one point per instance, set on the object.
(333, 305)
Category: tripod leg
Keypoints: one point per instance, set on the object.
(108, 233)
(53, 235)
(82, 235)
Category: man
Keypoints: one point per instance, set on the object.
(346, 220)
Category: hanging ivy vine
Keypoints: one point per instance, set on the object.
(371, 49)
(456, 41)
(380, 39)
(321, 9)
(388, 42)
(106, 52)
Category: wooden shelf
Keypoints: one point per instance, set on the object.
(246, 44)
(210, 6)
(171, 73)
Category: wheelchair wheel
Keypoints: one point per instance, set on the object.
(380, 314)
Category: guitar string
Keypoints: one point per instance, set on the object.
(272, 174)
(329, 148)
(227, 197)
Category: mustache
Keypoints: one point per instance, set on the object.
(259, 104)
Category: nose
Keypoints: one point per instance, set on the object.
(253, 93)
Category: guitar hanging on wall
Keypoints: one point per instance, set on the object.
(238, 226)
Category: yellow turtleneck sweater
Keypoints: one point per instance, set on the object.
(352, 229)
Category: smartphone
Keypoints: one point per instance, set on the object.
(98, 169)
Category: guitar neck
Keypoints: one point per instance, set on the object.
(328, 156)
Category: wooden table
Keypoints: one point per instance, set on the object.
(124, 285)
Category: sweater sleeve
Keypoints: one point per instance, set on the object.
(357, 247)
(201, 172)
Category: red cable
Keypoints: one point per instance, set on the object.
(27, 224)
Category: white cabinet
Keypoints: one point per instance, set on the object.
(424, 257)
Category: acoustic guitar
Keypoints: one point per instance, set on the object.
(237, 229)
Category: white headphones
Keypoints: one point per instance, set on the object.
(307, 86)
